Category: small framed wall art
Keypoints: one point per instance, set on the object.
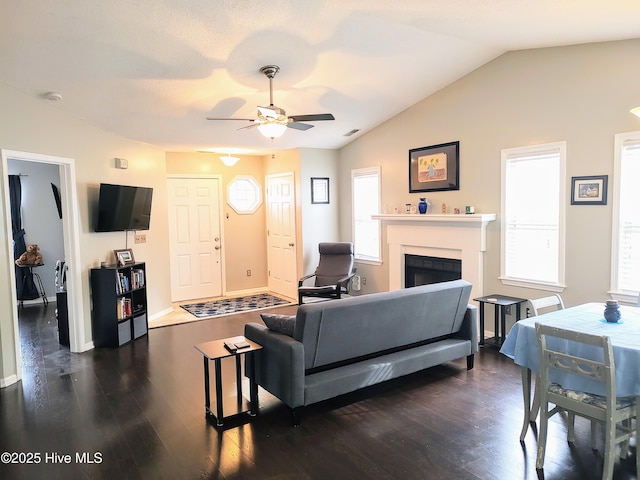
(124, 257)
(319, 189)
(434, 168)
(589, 190)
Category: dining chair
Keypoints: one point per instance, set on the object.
(536, 305)
(615, 413)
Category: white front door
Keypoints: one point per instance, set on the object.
(194, 238)
(281, 234)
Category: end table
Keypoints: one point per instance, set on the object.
(216, 351)
(500, 302)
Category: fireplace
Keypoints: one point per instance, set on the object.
(421, 270)
(455, 237)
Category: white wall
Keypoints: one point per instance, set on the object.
(319, 221)
(29, 124)
(579, 94)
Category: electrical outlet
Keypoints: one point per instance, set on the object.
(508, 310)
(364, 280)
(141, 238)
(248, 273)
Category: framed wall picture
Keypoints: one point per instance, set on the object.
(589, 190)
(319, 189)
(434, 168)
(124, 257)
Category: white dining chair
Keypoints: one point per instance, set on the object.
(615, 413)
(537, 305)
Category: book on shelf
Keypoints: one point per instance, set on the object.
(137, 278)
(124, 308)
(122, 283)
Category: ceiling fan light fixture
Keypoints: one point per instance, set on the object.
(272, 130)
(229, 161)
(635, 111)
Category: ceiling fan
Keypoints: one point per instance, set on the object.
(272, 121)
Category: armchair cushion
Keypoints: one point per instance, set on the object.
(335, 270)
(279, 323)
(336, 263)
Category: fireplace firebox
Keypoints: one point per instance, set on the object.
(421, 270)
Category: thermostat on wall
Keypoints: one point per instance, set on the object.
(122, 163)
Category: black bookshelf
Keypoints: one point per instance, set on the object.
(119, 310)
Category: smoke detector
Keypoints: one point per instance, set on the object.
(53, 96)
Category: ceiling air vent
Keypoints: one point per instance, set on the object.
(355, 130)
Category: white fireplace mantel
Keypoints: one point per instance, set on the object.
(461, 237)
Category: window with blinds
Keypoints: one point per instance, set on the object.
(365, 184)
(533, 199)
(626, 217)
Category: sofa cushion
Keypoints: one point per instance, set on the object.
(279, 323)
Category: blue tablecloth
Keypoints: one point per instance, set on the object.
(522, 345)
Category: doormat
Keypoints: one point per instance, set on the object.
(234, 305)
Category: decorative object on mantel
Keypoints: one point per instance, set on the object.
(444, 208)
(407, 208)
(434, 168)
(469, 209)
(422, 206)
(456, 211)
(589, 190)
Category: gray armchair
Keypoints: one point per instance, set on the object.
(333, 274)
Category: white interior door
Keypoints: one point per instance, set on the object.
(195, 244)
(281, 234)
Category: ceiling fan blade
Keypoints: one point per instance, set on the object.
(299, 126)
(255, 124)
(312, 118)
(221, 118)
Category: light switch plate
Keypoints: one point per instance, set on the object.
(122, 163)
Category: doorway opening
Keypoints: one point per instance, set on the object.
(70, 241)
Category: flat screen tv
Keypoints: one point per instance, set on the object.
(123, 207)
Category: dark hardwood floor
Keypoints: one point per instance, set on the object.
(138, 412)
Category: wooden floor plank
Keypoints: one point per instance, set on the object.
(141, 409)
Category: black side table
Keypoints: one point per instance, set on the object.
(500, 302)
(216, 351)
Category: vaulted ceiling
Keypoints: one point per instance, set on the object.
(152, 70)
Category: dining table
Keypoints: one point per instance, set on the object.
(522, 346)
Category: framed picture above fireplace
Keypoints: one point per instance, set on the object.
(434, 168)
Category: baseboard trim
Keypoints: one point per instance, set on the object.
(36, 301)
(249, 291)
(7, 381)
(162, 313)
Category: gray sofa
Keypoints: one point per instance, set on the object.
(339, 346)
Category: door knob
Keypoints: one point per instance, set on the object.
(217, 247)
(216, 239)
(291, 244)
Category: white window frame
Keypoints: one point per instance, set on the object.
(506, 154)
(617, 292)
(239, 204)
(361, 172)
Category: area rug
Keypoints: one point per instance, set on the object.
(227, 306)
